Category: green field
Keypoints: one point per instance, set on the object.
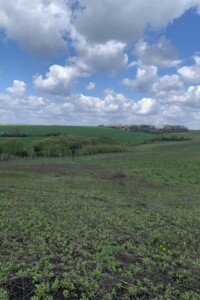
(87, 131)
(109, 226)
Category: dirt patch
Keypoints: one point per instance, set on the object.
(109, 281)
(127, 258)
(50, 168)
(118, 175)
(20, 288)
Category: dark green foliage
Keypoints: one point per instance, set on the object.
(172, 138)
(73, 145)
(54, 146)
(13, 147)
(168, 138)
(103, 148)
(57, 146)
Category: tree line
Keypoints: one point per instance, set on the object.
(148, 128)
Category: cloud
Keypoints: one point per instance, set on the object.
(18, 88)
(113, 103)
(174, 94)
(100, 36)
(191, 73)
(58, 80)
(113, 107)
(146, 76)
(161, 54)
(91, 86)
(146, 106)
(178, 114)
(46, 25)
(193, 96)
(105, 57)
(125, 21)
(17, 108)
(39, 25)
(77, 108)
(173, 111)
(168, 85)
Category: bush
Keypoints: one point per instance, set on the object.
(57, 146)
(13, 147)
(72, 145)
(63, 145)
(46, 147)
(167, 138)
(103, 148)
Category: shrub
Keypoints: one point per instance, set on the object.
(63, 145)
(103, 148)
(46, 147)
(72, 145)
(56, 146)
(13, 147)
(167, 138)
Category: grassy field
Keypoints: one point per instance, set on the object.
(110, 226)
(122, 137)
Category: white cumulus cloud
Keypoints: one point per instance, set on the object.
(193, 96)
(191, 73)
(161, 54)
(113, 107)
(58, 80)
(146, 106)
(95, 58)
(125, 20)
(39, 25)
(103, 57)
(18, 88)
(91, 86)
(146, 76)
(167, 84)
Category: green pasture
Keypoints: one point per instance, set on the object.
(110, 226)
(83, 131)
(26, 140)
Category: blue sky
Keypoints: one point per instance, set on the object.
(100, 62)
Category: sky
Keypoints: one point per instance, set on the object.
(94, 62)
